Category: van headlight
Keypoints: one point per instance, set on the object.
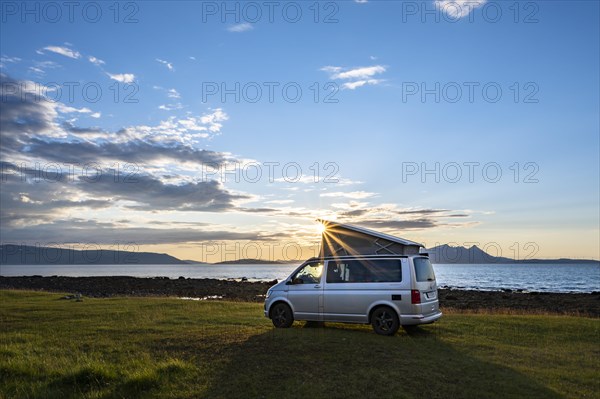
(268, 293)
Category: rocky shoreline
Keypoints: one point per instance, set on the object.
(116, 286)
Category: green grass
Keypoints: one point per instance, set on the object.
(170, 348)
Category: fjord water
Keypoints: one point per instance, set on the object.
(584, 277)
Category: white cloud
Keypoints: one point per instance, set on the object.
(4, 60)
(280, 202)
(361, 1)
(457, 9)
(172, 93)
(96, 115)
(166, 63)
(358, 73)
(170, 107)
(122, 77)
(37, 70)
(67, 110)
(65, 51)
(192, 58)
(213, 119)
(356, 77)
(360, 83)
(95, 61)
(41, 66)
(243, 27)
(351, 194)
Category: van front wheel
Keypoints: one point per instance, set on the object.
(385, 321)
(282, 316)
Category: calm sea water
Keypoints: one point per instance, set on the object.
(531, 277)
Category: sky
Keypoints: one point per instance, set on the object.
(218, 130)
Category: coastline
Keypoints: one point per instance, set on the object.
(579, 304)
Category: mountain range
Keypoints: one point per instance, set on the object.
(11, 254)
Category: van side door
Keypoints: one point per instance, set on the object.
(305, 292)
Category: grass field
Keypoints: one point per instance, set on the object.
(170, 348)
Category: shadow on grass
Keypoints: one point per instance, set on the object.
(108, 384)
(341, 361)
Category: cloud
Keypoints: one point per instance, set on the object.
(8, 60)
(352, 194)
(170, 107)
(64, 51)
(95, 61)
(360, 83)
(355, 77)
(89, 232)
(457, 9)
(361, 1)
(167, 64)
(37, 70)
(400, 224)
(27, 197)
(243, 27)
(172, 93)
(356, 73)
(30, 126)
(150, 193)
(122, 77)
(41, 66)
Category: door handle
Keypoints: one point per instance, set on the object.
(317, 286)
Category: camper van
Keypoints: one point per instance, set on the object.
(384, 290)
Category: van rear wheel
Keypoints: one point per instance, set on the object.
(385, 321)
(282, 316)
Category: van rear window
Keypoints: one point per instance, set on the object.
(364, 271)
(423, 269)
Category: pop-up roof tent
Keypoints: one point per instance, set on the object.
(344, 239)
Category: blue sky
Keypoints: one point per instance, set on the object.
(375, 58)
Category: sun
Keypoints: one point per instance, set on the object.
(321, 228)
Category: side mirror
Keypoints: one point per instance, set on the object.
(289, 282)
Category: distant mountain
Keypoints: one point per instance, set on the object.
(461, 255)
(11, 254)
(250, 262)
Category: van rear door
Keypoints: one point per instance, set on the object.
(424, 291)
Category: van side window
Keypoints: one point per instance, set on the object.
(364, 271)
(309, 274)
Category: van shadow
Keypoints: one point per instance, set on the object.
(345, 361)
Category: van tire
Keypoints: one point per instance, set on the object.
(385, 321)
(282, 315)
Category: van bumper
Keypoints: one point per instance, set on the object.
(414, 319)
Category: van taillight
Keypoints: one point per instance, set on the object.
(415, 297)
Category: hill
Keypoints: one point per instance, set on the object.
(11, 254)
(462, 255)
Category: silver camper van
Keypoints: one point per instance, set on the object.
(384, 290)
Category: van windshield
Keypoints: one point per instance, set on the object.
(423, 269)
